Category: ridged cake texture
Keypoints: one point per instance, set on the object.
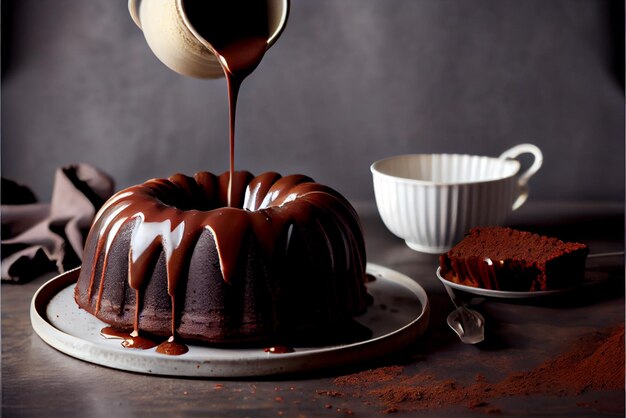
(168, 257)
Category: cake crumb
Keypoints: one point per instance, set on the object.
(330, 393)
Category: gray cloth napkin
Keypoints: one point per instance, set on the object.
(41, 237)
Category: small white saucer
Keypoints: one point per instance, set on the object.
(503, 294)
(399, 314)
(593, 277)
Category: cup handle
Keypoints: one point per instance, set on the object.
(522, 181)
(133, 8)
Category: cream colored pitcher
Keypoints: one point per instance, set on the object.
(177, 44)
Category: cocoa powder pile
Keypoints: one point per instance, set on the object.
(593, 363)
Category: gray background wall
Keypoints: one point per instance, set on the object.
(349, 82)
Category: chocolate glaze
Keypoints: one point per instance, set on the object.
(166, 218)
(130, 339)
(172, 347)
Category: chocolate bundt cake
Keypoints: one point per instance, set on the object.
(506, 259)
(170, 257)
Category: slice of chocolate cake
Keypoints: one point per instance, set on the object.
(506, 259)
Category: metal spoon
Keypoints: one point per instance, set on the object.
(468, 324)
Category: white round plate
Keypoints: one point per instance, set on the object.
(399, 314)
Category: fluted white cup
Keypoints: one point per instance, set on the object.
(432, 200)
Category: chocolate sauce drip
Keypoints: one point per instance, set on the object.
(237, 31)
(129, 339)
(114, 333)
(172, 348)
(270, 206)
(474, 271)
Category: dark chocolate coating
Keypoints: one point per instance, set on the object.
(290, 264)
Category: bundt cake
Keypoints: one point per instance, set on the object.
(506, 259)
(168, 257)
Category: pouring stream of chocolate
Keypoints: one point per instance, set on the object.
(237, 32)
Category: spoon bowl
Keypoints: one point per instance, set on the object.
(468, 324)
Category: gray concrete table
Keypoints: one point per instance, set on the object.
(40, 381)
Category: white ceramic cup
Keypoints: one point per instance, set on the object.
(432, 200)
(177, 44)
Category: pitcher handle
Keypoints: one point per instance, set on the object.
(522, 181)
(133, 8)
